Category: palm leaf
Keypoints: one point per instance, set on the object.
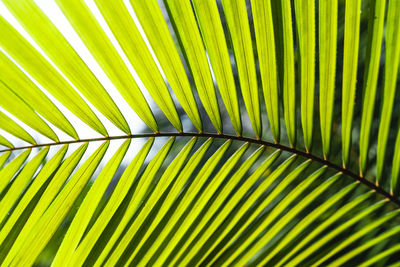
(238, 191)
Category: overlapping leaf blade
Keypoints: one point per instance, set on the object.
(215, 43)
(184, 21)
(21, 85)
(142, 189)
(10, 126)
(116, 199)
(69, 62)
(156, 29)
(102, 49)
(15, 105)
(239, 29)
(42, 71)
(135, 48)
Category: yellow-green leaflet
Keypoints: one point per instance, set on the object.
(188, 257)
(107, 56)
(326, 238)
(22, 86)
(142, 189)
(350, 55)
(328, 11)
(4, 141)
(225, 215)
(212, 188)
(375, 32)
(165, 181)
(224, 165)
(382, 255)
(21, 110)
(305, 19)
(52, 42)
(239, 29)
(184, 22)
(394, 184)
(44, 229)
(88, 206)
(265, 39)
(10, 126)
(44, 174)
(214, 40)
(269, 229)
(357, 251)
(392, 58)
(343, 210)
(149, 14)
(288, 86)
(131, 41)
(306, 221)
(186, 204)
(234, 224)
(118, 195)
(20, 182)
(41, 70)
(11, 168)
(47, 197)
(185, 174)
(355, 236)
(3, 158)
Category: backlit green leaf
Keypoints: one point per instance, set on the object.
(10, 126)
(264, 31)
(327, 68)
(392, 58)
(239, 30)
(192, 46)
(350, 55)
(16, 106)
(156, 29)
(305, 18)
(41, 70)
(22, 86)
(119, 193)
(48, 223)
(376, 23)
(131, 41)
(12, 168)
(215, 43)
(106, 55)
(20, 182)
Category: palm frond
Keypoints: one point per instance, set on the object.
(257, 184)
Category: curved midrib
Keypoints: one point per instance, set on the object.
(303, 154)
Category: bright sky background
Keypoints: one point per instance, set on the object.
(56, 16)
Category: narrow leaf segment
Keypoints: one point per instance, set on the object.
(305, 19)
(108, 58)
(156, 30)
(392, 59)
(265, 39)
(376, 23)
(328, 12)
(128, 36)
(239, 29)
(181, 14)
(214, 40)
(350, 56)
